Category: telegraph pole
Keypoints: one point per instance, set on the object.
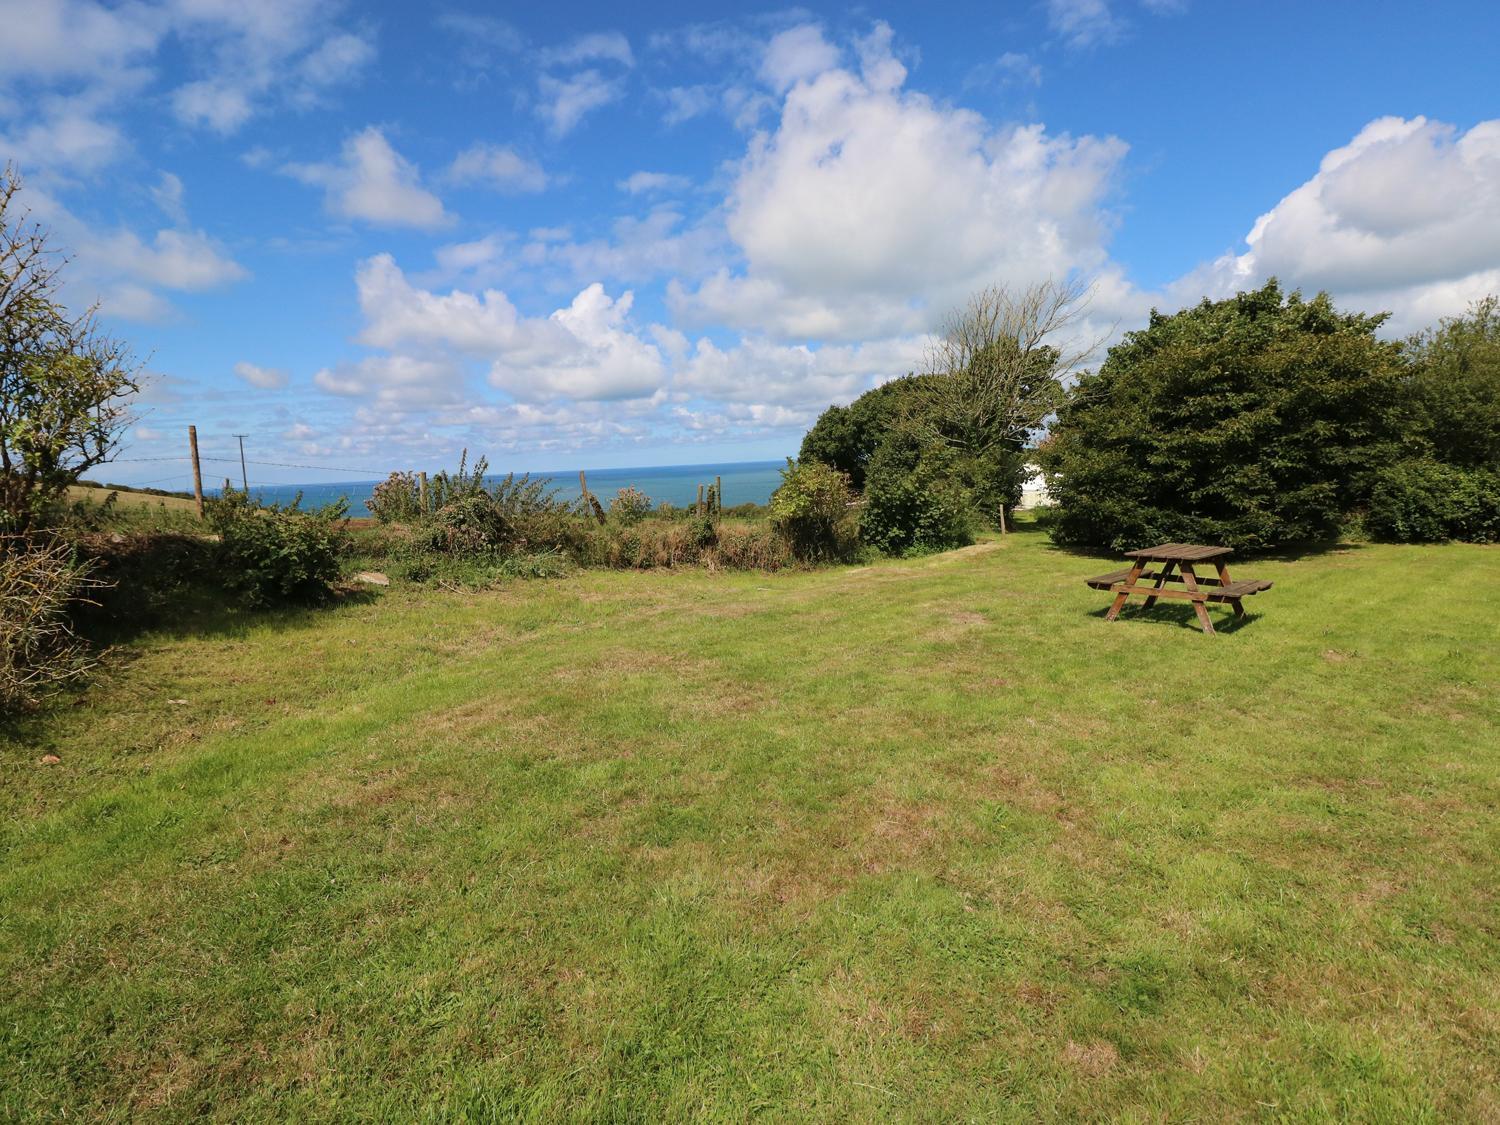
(197, 472)
(244, 476)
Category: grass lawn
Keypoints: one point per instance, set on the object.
(922, 840)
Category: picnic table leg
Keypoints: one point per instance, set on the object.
(1190, 580)
(1239, 609)
(1161, 581)
(1135, 572)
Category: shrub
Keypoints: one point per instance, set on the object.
(277, 554)
(915, 499)
(517, 514)
(1252, 422)
(471, 525)
(810, 511)
(40, 584)
(397, 499)
(1426, 502)
(630, 505)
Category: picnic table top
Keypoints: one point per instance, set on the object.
(1179, 552)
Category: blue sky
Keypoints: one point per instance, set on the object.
(569, 235)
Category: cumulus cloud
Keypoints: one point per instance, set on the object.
(587, 350)
(499, 167)
(372, 182)
(870, 207)
(797, 54)
(254, 55)
(263, 378)
(74, 38)
(1406, 216)
(797, 377)
(125, 271)
(399, 381)
(68, 133)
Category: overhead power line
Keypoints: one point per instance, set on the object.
(270, 464)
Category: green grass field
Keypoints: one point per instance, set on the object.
(125, 498)
(922, 840)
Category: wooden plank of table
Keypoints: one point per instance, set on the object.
(1179, 552)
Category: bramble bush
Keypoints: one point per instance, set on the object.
(810, 511)
(279, 553)
(397, 499)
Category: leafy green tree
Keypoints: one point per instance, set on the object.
(1251, 422)
(1456, 380)
(64, 385)
(846, 437)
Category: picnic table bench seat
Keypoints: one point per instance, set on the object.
(1236, 589)
(1178, 557)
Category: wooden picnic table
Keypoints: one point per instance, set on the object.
(1179, 557)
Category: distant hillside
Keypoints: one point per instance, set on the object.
(92, 490)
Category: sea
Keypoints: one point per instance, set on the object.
(745, 482)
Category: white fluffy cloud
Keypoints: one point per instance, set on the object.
(796, 54)
(74, 38)
(373, 182)
(870, 208)
(1406, 217)
(762, 373)
(263, 378)
(126, 272)
(395, 381)
(586, 350)
(499, 167)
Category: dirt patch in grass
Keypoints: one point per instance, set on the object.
(1093, 1059)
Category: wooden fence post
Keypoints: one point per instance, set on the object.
(422, 490)
(197, 470)
(718, 500)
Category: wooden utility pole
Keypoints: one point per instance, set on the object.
(244, 476)
(197, 469)
(422, 489)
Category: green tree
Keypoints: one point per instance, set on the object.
(1252, 422)
(996, 375)
(1456, 380)
(64, 385)
(846, 437)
